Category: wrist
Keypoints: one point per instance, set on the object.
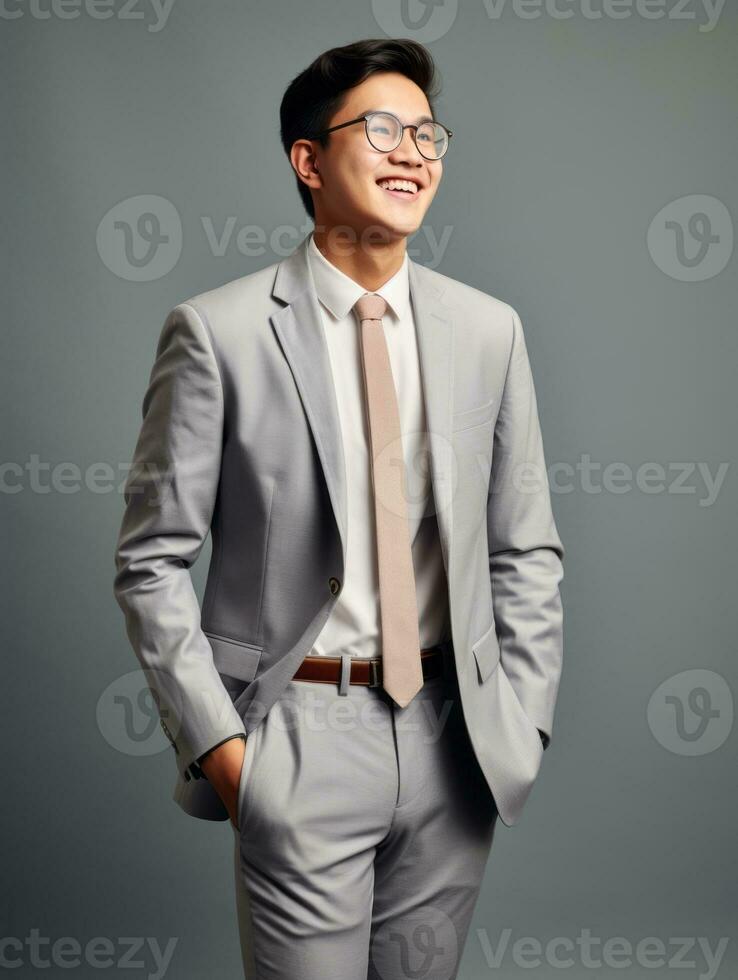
(223, 750)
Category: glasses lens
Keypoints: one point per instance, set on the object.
(432, 140)
(383, 131)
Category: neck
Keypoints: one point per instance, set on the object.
(369, 263)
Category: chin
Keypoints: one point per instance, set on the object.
(394, 226)
(405, 230)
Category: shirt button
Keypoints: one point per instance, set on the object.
(334, 584)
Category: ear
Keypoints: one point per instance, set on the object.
(302, 157)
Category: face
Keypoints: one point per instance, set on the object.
(346, 176)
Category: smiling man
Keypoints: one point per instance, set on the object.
(372, 678)
(372, 174)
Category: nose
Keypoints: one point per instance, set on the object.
(407, 149)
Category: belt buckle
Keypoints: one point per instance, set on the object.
(374, 680)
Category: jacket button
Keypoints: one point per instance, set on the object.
(334, 584)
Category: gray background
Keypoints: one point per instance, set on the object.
(571, 136)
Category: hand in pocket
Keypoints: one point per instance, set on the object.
(222, 766)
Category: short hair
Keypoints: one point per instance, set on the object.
(314, 96)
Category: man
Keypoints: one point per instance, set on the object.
(374, 671)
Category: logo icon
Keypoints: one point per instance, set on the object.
(422, 944)
(691, 713)
(691, 239)
(129, 717)
(140, 239)
(422, 20)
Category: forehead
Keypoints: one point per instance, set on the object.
(391, 92)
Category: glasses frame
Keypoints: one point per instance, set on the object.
(403, 126)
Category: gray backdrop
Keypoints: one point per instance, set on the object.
(573, 134)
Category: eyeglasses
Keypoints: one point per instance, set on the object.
(385, 131)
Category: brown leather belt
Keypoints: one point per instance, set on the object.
(364, 670)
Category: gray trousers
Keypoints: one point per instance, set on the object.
(364, 833)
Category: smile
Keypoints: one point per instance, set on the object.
(404, 189)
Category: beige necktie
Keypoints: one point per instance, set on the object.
(402, 673)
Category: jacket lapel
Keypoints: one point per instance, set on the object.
(435, 332)
(299, 329)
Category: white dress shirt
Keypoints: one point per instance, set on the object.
(354, 625)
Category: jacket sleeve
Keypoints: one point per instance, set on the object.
(525, 551)
(169, 500)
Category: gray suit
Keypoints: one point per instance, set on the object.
(240, 437)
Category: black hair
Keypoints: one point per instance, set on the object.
(314, 96)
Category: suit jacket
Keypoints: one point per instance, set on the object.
(240, 437)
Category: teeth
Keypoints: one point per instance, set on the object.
(399, 185)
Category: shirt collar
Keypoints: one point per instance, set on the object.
(339, 293)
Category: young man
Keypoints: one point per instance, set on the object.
(382, 616)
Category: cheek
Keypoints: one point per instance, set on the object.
(357, 186)
(354, 176)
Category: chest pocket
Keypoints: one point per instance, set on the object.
(473, 416)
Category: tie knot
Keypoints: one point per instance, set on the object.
(370, 306)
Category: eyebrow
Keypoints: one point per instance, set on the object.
(418, 120)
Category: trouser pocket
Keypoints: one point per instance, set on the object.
(244, 781)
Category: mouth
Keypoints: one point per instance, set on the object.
(404, 188)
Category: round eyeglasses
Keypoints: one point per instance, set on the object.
(385, 131)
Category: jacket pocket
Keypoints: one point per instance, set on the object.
(486, 652)
(234, 657)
